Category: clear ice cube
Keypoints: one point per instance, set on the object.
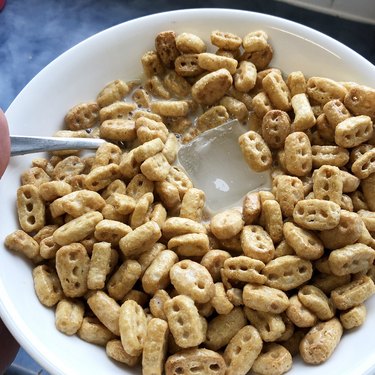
(215, 164)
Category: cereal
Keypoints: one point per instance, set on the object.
(277, 90)
(300, 315)
(298, 154)
(115, 350)
(226, 224)
(190, 43)
(244, 269)
(353, 131)
(118, 130)
(91, 330)
(275, 128)
(112, 92)
(354, 317)
(257, 243)
(69, 316)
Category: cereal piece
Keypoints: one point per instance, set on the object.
(327, 282)
(300, 315)
(52, 190)
(106, 153)
(34, 176)
(260, 58)
(322, 90)
(212, 87)
(91, 330)
(251, 207)
(175, 108)
(331, 155)
(244, 269)
(351, 259)
(353, 293)
(212, 62)
(354, 317)
(148, 149)
(118, 130)
(226, 224)
(157, 275)
(192, 204)
(368, 188)
(155, 347)
(261, 104)
(148, 129)
(102, 176)
(100, 265)
(190, 244)
(157, 304)
(283, 249)
(303, 115)
(141, 210)
(296, 82)
(117, 110)
(69, 316)
(155, 87)
(350, 182)
(288, 191)
(321, 341)
(273, 220)
(257, 243)
(242, 350)
(298, 154)
(360, 100)
(138, 186)
(186, 65)
(72, 266)
(345, 233)
(214, 261)
(190, 43)
(111, 231)
(220, 300)
(325, 129)
(316, 214)
(222, 328)
(245, 76)
(115, 351)
(156, 168)
(201, 361)
(317, 302)
(353, 131)
(168, 194)
(112, 92)
(128, 166)
(306, 244)
(328, 183)
(179, 179)
(335, 112)
(255, 151)
(48, 248)
(141, 98)
(287, 272)
(82, 116)
(265, 298)
(235, 108)
(47, 285)
(151, 64)
(77, 229)
(165, 45)
(30, 208)
(255, 41)
(225, 40)
(277, 91)
(192, 279)
(122, 203)
(213, 117)
(133, 327)
(275, 128)
(23, 243)
(235, 296)
(364, 166)
(185, 323)
(275, 359)
(176, 226)
(147, 257)
(270, 326)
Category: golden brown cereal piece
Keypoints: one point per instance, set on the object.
(176, 226)
(257, 243)
(165, 45)
(303, 114)
(157, 304)
(118, 129)
(106, 310)
(225, 40)
(331, 155)
(359, 151)
(115, 351)
(296, 82)
(30, 208)
(102, 176)
(265, 298)
(192, 279)
(328, 183)
(345, 233)
(111, 231)
(48, 247)
(112, 92)
(327, 282)
(155, 347)
(244, 269)
(179, 179)
(368, 217)
(185, 323)
(226, 224)
(175, 108)
(364, 166)
(277, 91)
(322, 90)
(190, 43)
(190, 244)
(274, 359)
(155, 87)
(91, 330)
(235, 108)
(128, 166)
(72, 266)
(212, 87)
(353, 293)
(270, 326)
(168, 193)
(170, 148)
(140, 215)
(354, 317)
(117, 110)
(157, 275)
(23, 243)
(251, 207)
(148, 149)
(320, 342)
(287, 272)
(34, 176)
(353, 131)
(255, 151)
(275, 128)
(220, 301)
(242, 350)
(245, 76)
(152, 64)
(141, 98)
(350, 182)
(69, 316)
(335, 112)
(148, 129)
(298, 156)
(261, 104)
(360, 100)
(147, 257)
(82, 116)
(177, 85)
(273, 220)
(122, 203)
(133, 327)
(106, 153)
(77, 229)
(201, 361)
(138, 186)
(192, 204)
(47, 285)
(351, 259)
(283, 249)
(222, 328)
(305, 243)
(316, 214)
(186, 65)
(300, 315)
(213, 62)
(255, 41)
(214, 260)
(325, 130)
(156, 168)
(213, 117)
(260, 58)
(316, 301)
(288, 191)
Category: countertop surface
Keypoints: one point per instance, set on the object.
(35, 32)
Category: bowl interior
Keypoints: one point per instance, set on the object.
(77, 76)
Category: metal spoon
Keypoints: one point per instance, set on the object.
(21, 145)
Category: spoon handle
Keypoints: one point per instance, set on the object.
(20, 145)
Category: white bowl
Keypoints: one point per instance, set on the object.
(78, 75)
